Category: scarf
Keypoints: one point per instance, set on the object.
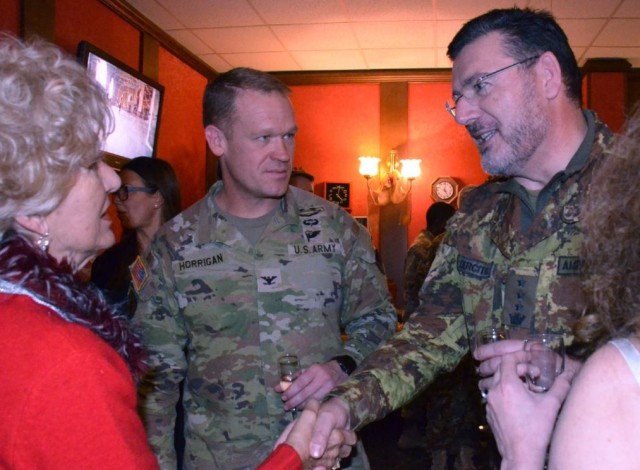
(29, 270)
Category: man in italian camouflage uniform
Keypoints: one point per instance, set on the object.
(254, 270)
(512, 252)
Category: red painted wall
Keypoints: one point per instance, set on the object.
(606, 96)
(340, 122)
(97, 24)
(444, 147)
(337, 124)
(181, 140)
(10, 16)
(181, 137)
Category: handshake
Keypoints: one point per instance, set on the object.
(320, 435)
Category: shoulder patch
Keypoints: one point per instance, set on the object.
(139, 273)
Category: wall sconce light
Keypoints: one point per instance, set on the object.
(392, 186)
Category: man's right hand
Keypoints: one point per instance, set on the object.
(333, 414)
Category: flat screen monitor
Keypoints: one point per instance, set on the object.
(136, 103)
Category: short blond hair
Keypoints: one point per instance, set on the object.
(53, 119)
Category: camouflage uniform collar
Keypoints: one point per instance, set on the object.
(217, 187)
(576, 164)
(282, 217)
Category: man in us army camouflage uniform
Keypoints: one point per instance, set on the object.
(512, 253)
(255, 270)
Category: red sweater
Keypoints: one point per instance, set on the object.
(67, 397)
(284, 457)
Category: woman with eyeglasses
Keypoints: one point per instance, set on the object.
(149, 197)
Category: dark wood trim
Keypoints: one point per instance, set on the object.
(141, 22)
(38, 19)
(149, 56)
(606, 65)
(364, 76)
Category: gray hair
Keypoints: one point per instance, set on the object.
(53, 120)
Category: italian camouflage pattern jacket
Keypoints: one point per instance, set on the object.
(416, 266)
(502, 261)
(217, 311)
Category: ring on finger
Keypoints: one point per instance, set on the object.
(336, 466)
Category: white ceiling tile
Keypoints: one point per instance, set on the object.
(583, 8)
(216, 62)
(466, 9)
(156, 13)
(442, 60)
(631, 53)
(212, 13)
(305, 11)
(624, 33)
(628, 9)
(267, 61)
(400, 58)
(446, 30)
(537, 4)
(316, 36)
(235, 40)
(294, 34)
(190, 41)
(395, 34)
(330, 60)
(389, 10)
(581, 32)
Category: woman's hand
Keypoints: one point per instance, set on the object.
(299, 433)
(522, 421)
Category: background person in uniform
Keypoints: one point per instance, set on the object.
(148, 197)
(301, 179)
(422, 252)
(68, 394)
(512, 252)
(600, 419)
(444, 418)
(255, 270)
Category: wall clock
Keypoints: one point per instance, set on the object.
(338, 193)
(444, 189)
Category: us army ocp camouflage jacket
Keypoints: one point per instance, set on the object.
(218, 312)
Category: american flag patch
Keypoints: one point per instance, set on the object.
(139, 274)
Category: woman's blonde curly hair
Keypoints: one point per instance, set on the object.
(612, 243)
(53, 119)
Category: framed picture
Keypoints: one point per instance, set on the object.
(136, 104)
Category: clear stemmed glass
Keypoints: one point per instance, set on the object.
(488, 335)
(289, 366)
(546, 360)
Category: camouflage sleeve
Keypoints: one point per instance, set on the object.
(157, 317)
(414, 274)
(367, 315)
(433, 341)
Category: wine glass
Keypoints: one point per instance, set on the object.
(488, 335)
(289, 366)
(546, 360)
(492, 334)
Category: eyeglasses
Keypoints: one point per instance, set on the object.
(478, 88)
(123, 192)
